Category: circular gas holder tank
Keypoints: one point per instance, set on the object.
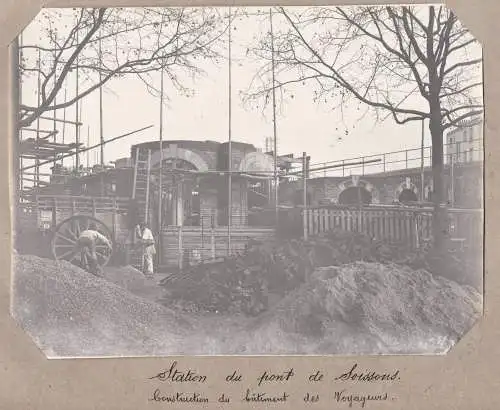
(257, 162)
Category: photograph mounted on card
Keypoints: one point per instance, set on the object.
(247, 181)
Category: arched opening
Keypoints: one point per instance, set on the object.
(176, 163)
(355, 195)
(407, 195)
(180, 193)
(179, 155)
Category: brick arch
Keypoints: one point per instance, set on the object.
(180, 153)
(355, 181)
(257, 161)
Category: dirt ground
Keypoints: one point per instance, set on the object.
(353, 309)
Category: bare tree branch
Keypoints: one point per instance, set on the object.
(411, 63)
(135, 41)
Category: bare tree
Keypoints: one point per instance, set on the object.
(413, 63)
(106, 44)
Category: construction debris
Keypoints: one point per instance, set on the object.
(69, 312)
(133, 280)
(269, 269)
(355, 308)
(369, 308)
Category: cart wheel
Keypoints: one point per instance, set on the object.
(66, 235)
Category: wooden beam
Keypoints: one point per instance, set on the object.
(63, 121)
(92, 147)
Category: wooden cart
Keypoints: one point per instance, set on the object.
(58, 220)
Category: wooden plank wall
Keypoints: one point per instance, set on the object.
(396, 224)
(183, 245)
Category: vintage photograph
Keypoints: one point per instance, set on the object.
(247, 181)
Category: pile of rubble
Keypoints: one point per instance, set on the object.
(249, 282)
(269, 269)
(69, 312)
(369, 308)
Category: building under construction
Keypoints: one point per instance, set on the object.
(180, 188)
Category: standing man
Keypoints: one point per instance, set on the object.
(86, 245)
(148, 249)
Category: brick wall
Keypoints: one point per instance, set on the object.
(238, 152)
(468, 187)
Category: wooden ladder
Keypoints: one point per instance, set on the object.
(140, 193)
(141, 183)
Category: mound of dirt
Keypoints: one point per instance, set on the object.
(133, 280)
(242, 283)
(370, 308)
(272, 268)
(69, 312)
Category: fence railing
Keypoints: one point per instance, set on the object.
(470, 151)
(409, 225)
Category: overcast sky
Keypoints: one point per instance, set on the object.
(302, 125)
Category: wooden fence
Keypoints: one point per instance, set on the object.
(410, 225)
(194, 244)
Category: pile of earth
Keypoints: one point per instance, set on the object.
(69, 312)
(251, 282)
(133, 280)
(366, 308)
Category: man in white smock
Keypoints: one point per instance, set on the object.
(148, 249)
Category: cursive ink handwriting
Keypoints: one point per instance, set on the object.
(174, 375)
(269, 377)
(178, 397)
(341, 397)
(316, 377)
(263, 397)
(234, 377)
(369, 376)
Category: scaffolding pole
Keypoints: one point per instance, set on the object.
(148, 172)
(71, 154)
(39, 86)
(54, 117)
(422, 175)
(304, 193)
(230, 179)
(14, 116)
(88, 145)
(275, 150)
(64, 120)
(101, 115)
(77, 119)
(160, 177)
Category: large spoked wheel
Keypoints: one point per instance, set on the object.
(65, 239)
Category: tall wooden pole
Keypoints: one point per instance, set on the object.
(14, 117)
(230, 153)
(422, 174)
(39, 100)
(88, 145)
(452, 182)
(275, 150)
(77, 119)
(304, 188)
(160, 178)
(101, 117)
(54, 125)
(64, 121)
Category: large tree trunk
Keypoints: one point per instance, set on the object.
(439, 223)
